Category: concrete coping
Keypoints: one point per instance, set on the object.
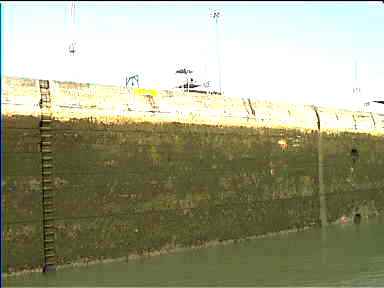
(107, 103)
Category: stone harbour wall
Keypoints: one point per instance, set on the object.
(136, 172)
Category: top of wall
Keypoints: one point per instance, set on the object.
(108, 103)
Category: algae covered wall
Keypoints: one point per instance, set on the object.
(136, 173)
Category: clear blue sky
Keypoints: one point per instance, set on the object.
(291, 51)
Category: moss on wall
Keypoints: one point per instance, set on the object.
(140, 187)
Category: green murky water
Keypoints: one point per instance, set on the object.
(348, 255)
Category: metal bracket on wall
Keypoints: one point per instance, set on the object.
(48, 207)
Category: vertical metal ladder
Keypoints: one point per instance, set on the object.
(48, 206)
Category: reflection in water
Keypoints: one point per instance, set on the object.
(346, 255)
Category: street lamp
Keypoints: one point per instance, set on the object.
(215, 15)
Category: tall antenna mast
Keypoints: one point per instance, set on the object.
(215, 15)
(356, 89)
(72, 46)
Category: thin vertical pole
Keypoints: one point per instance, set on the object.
(322, 198)
(218, 50)
(216, 15)
(323, 201)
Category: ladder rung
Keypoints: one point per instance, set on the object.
(50, 255)
(47, 166)
(49, 248)
(50, 244)
(46, 135)
(46, 143)
(49, 240)
(49, 211)
(48, 226)
(49, 233)
(45, 128)
(47, 173)
(47, 158)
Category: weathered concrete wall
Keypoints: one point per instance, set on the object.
(135, 173)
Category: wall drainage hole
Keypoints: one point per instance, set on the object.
(357, 218)
(354, 154)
